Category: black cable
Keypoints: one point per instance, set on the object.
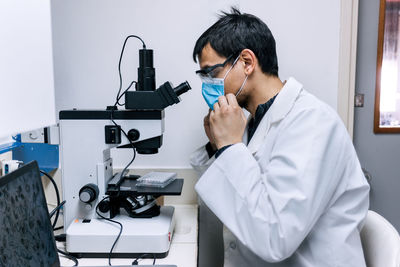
(120, 60)
(69, 256)
(120, 231)
(57, 194)
(133, 147)
(136, 261)
(56, 209)
(117, 103)
(61, 237)
(58, 228)
(122, 130)
(129, 87)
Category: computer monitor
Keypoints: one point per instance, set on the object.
(26, 234)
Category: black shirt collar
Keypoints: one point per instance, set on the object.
(260, 112)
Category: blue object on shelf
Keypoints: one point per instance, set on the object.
(10, 146)
(46, 155)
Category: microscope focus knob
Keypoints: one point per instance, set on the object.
(133, 135)
(88, 193)
(104, 206)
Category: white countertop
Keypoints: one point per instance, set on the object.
(183, 250)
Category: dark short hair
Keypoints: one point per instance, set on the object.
(234, 32)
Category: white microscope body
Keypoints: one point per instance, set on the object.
(85, 160)
(91, 191)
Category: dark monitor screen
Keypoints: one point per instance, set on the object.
(26, 234)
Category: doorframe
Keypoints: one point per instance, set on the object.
(347, 62)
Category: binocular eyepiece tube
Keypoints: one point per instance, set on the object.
(182, 88)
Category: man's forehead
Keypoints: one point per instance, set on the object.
(209, 57)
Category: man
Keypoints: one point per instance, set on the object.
(287, 184)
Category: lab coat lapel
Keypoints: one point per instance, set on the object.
(258, 135)
(279, 109)
(245, 137)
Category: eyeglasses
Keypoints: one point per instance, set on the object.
(212, 71)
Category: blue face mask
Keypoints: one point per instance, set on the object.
(212, 88)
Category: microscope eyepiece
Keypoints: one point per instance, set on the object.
(166, 95)
(182, 88)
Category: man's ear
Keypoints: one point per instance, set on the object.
(249, 59)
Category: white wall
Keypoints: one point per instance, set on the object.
(26, 66)
(88, 37)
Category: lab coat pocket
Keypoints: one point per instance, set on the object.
(230, 252)
(229, 238)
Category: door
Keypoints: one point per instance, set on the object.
(379, 154)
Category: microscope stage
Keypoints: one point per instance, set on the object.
(139, 236)
(128, 187)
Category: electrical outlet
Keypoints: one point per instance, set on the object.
(359, 100)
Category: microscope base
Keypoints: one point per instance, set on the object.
(150, 236)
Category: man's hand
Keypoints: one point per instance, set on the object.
(208, 130)
(227, 121)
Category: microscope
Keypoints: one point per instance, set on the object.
(101, 203)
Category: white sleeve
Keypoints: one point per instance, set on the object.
(200, 160)
(272, 212)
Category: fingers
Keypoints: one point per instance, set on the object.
(207, 120)
(232, 100)
(222, 101)
(208, 114)
(227, 122)
(216, 107)
(221, 104)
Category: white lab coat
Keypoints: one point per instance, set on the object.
(295, 195)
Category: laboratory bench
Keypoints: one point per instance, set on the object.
(184, 246)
